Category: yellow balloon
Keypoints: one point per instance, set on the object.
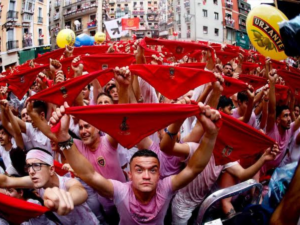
(99, 37)
(263, 31)
(65, 37)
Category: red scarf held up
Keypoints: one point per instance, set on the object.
(292, 80)
(178, 48)
(232, 86)
(255, 81)
(18, 211)
(107, 61)
(200, 66)
(281, 92)
(249, 66)
(237, 140)
(69, 90)
(130, 123)
(172, 81)
(278, 65)
(20, 83)
(226, 56)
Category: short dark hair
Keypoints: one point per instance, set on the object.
(2, 128)
(105, 94)
(280, 108)
(144, 153)
(228, 64)
(111, 87)
(297, 106)
(224, 102)
(88, 87)
(242, 96)
(18, 159)
(40, 107)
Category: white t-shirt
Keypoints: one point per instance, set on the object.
(294, 151)
(7, 161)
(38, 139)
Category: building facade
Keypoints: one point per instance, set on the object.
(24, 30)
(234, 20)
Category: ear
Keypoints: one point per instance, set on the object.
(52, 171)
(21, 193)
(278, 119)
(129, 175)
(42, 114)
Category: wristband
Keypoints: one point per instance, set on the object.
(171, 135)
(66, 144)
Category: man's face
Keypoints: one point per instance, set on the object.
(88, 133)
(228, 71)
(4, 138)
(42, 177)
(41, 115)
(144, 173)
(284, 120)
(104, 100)
(227, 110)
(243, 106)
(296, 111)
(12, 192)
(114, 94)
(110, 83)
(24, 116)
(86, 93)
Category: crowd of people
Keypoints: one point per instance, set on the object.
(169, 172)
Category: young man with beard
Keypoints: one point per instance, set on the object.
(146, 198)
(279, 126)
(65, 196)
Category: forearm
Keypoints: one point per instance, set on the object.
(252, 170)
(97, 88)
(248, 112)
(210, 64)
(123, 95)
(264, 117)
(16, 130)
(214, 97)
(78, 195)
(258, 97)
(136, 87)
(204, 94)
(202, 155)
(42, 126)
(5, 122)
(272, 99)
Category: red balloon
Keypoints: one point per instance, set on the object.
(175, 33)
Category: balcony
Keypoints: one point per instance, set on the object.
(178, 8)
(12, 15)
(40, 20)
(170, 15)
(228, 4)
(87, 7)
(229, 23)
(187, 5)
(27, 11)
(57, 4)
(138, 12)
(12, 45)
(152, 12)
(123, 1)
(27, 18)
(27, 41)
(56, 17)
(187, 19)
(92, 24)
(77, 29)
(41, 42)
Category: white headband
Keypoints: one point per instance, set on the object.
(38, 154)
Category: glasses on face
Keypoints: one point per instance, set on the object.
(35, 166)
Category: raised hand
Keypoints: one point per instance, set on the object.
(209, 118)
(123, 76)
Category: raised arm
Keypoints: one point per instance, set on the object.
(15, 182)
(249, 110)
(4, 119)
(87, 172)
(272, 103)
(202, 155)
(16, 129)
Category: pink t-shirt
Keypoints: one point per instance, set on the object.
(133, 212)
(195, 191)
(105, 159)
(252, 120)
(169, 165)
(283, 141)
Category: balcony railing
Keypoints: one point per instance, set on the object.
(86, 7)
(56, 17)
(27, 42)
(40, 19)
(41, 42)
(28, 11)
(229, 22)
(77, 28)
(10, 45)
(122, 1)
(152, 12)
(27, 18)
(92, 24)
(187, 4)
(244, 11)
(138, 12)
(12, 15)
(228, 4)
(57, 4)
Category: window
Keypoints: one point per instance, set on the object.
(10, 35)
(92, 17)
(204, 13)
(216, 2)
(230, 36)
(12, 5)
(216, 32)
(205, 30)
(216, 16)
(40, 12)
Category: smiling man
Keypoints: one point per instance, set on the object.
(65, 196)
